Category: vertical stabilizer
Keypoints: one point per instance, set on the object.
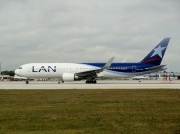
(156, 55)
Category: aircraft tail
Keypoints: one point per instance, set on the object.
(156, 55)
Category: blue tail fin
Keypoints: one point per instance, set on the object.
(156, 55)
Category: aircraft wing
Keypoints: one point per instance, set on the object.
(92, 72)
(19, 77)
(155, 67)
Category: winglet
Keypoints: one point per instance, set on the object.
(108, 64)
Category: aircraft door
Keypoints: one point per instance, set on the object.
(133, 68)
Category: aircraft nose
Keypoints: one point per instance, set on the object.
(17, 71)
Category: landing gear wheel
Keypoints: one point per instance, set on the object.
(91, 82)
(59, 82)
(27, 82)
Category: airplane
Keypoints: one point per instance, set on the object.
(139, 78)
(90, 72)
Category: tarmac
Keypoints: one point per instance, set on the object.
(101, 84)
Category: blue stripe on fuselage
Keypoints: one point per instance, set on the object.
(124, 67)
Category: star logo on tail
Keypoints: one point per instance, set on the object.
(158, 51)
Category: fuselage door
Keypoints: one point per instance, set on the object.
(133, 68)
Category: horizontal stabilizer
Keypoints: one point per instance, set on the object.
(155, 67)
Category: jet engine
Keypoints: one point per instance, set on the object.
(70, 77)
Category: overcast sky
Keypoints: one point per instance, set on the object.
(87, 31)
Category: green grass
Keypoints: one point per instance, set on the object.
(90, 111)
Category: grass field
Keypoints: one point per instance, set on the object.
(90, 111)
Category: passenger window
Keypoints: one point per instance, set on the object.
(20, 67)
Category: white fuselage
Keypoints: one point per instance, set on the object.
(56, 70)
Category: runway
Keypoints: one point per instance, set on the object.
(101, 84)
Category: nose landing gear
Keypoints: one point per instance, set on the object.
(27, 82)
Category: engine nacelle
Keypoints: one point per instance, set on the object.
(70, 77)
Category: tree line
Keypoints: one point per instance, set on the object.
(10, 73)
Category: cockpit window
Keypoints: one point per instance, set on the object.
(20, 67)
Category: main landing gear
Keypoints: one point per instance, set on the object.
(91, 82)
(60, 82)
(27, 82)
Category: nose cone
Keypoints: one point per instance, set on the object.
(17, 71)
